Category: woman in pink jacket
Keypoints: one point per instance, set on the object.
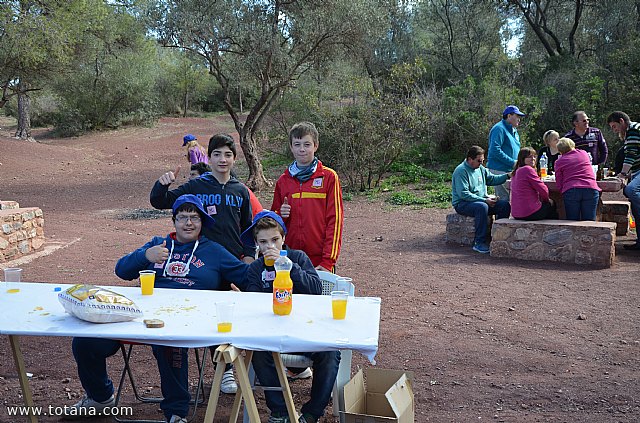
(529, 195)
(577, 182)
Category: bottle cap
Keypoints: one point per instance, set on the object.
(283, 252)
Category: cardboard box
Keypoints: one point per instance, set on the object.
(387, 397)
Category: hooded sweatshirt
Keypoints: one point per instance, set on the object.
(228, 204)
(200, 264)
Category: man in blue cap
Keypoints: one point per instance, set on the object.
(504, 145)
(184, 259)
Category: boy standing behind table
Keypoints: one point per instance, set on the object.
(308, 196)
(577, 182)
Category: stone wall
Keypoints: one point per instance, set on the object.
(461, 229)
(21, 230)
(584, 243)
(617, 212)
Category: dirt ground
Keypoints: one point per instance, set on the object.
(487, 339)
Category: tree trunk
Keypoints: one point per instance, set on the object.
(186, 103)
(257, 181)
(24, 113)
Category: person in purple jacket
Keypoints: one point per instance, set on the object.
(529, 195)
(184, 259)
(577, 182)
(588, 138)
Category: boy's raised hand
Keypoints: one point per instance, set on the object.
(169, 177)
(285, 209)
(157, 253)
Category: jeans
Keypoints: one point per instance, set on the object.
(325, 369)
(632, 192)
(501, 190)
(91, 358)
(481, 211)
(581, 203)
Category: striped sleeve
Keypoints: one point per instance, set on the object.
(334, 221)
(632, 147)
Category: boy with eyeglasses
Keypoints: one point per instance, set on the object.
(469, 195)
(588, 138)
(184, 259)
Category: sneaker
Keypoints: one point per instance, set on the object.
(307, 418)
(177, 419)
(83, 408)
(278, 419)
(481, 248)
(305, 374)
(229, 385)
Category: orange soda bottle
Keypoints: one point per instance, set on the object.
(632, 222)
(283, 286)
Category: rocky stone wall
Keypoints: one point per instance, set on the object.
(21, 230)
(617, 212)
(584, 243)
(461, 229)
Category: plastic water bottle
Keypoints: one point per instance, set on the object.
(283, 285)
(543, 165)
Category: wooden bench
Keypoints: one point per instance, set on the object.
(567, 241)
(461, 229)
(617, 212)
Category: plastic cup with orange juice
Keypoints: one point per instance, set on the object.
(12, 275)
(147, 281)
(224, 313)
(339, 301)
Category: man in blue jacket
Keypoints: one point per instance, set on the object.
(504, 145)
(469, 195)
(268, 233)
(184, 259)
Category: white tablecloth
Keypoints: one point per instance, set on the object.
(190, 320)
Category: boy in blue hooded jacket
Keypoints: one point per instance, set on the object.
(182, 259)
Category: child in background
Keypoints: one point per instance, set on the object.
(268, 233)
(577, 182)
(195, 152)
(550, 139)
(308, 196)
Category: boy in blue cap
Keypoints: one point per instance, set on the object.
(268, 233)
(184, 259)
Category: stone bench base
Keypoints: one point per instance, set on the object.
(617, 212)
(584, 243)
(461, 229)
(21, 230)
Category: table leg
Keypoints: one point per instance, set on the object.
(237, 401)
(233, 354)
(284, 383)
(227, 354)
(556, 196)
(22, 376)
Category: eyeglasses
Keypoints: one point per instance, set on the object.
(184, 219)
(585, 120)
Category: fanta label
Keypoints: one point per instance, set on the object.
(282, 295)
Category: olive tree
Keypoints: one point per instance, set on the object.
(265, 44)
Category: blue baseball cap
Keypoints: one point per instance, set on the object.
(188, 138)
(192, 199)
(512, 109)
(247, 237)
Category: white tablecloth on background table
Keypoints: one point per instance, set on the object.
(190, 320)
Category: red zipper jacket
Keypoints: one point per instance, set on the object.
(315, 223)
